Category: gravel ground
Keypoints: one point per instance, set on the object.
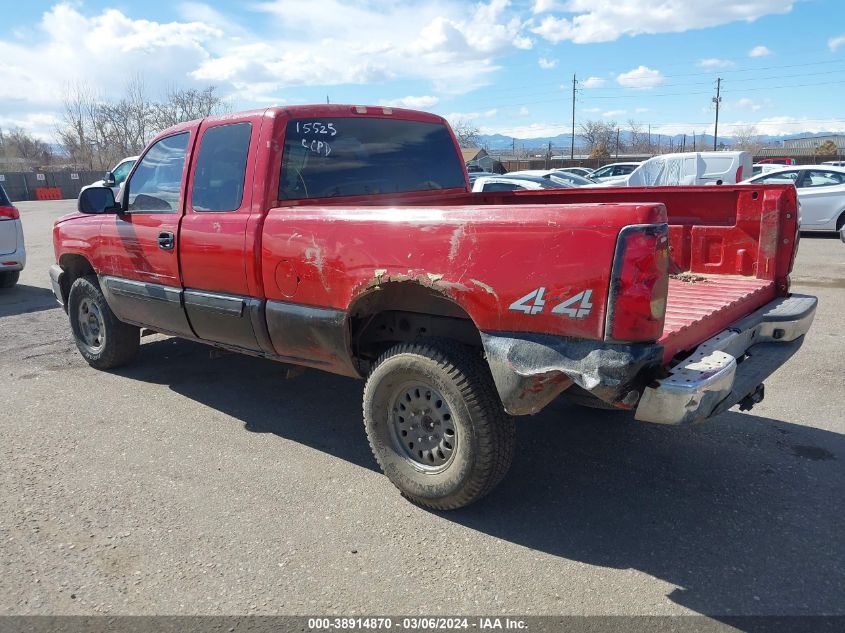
(203, 482)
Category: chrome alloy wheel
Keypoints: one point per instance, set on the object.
(422, 427)
(91, 326)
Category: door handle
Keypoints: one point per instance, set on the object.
(166, 241)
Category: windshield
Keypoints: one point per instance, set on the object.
(351, 156)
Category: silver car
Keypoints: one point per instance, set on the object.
(12, 251)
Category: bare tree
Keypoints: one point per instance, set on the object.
(20, 144)
(599, 137)
(639, 139)
(180, 105)
(467, 133)
(828, 148)
(746, 137)
(97, 132)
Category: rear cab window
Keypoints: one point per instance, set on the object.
(329, 157)
(221, 168)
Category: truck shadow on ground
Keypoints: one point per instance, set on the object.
(744, 515)
(22, 299)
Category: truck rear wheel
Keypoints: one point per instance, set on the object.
(436, 425)
(103, 340)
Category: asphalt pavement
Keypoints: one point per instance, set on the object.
(196, 481)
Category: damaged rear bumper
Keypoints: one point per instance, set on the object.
(725, 369)
(531, 370)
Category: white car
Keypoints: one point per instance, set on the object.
(821, 193)
(556, 175)
(584, 172)
(764, 168)
(12, 251)
(515, 183)
(614, 170)
(686, 168)
(116, 176)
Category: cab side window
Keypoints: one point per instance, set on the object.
(122, 171)
(782, 178)
(156, 184)
(821, 178)
(221, 168)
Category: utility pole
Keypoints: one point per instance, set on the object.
(617, 143)
(572, 146)
(717, 100)
(693, 140)
(684, 145)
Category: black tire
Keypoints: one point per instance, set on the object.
(118, 341)
(456, 394)
(8, 278)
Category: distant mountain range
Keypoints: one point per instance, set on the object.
(499, 142)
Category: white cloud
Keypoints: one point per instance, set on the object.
(614, 113)
(607, 20)
(641, 78)
(415, 103)
(714, 62)
(750, 104)
(547, 64)
(759, 51)
(773, 126)
(593, 82)
(534, 130)
(451, 47)
(834, 43)
(523, 111)
(543, 6)
(470, 116)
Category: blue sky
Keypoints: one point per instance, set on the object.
(505, 66)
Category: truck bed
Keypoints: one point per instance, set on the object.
(701, 306)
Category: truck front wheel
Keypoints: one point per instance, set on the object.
(103, 340)
(436, 425)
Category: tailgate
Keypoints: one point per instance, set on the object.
(699, 307)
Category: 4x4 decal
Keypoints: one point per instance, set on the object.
(577, 306)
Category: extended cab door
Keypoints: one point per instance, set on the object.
(218, 235)
(140, 266)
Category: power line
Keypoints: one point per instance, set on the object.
(702, 74)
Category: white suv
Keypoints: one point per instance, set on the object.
(12, 251)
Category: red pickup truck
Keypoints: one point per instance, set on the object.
(346, 238)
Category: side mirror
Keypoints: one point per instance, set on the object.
(97, 200)
(108, 179)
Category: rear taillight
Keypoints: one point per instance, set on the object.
(9, 213)
(639, 283)
(738, 174)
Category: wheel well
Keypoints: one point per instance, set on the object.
(398, 312)
(74, 267)
(840, 222)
